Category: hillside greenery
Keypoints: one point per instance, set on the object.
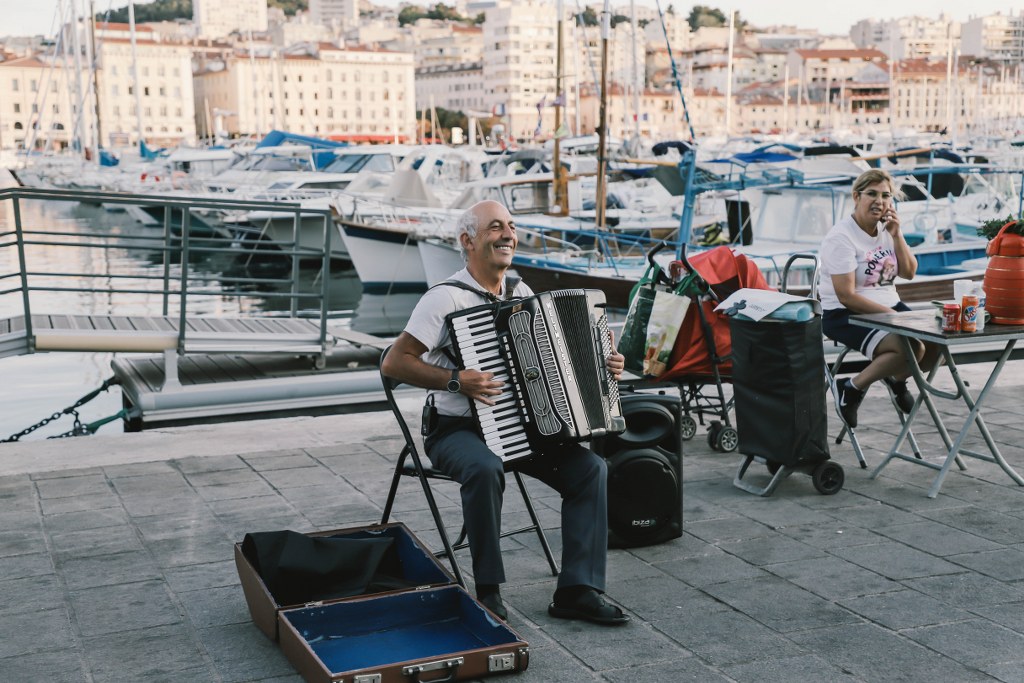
(169, 10)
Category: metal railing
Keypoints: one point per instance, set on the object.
(178, 248)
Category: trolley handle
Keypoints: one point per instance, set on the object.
(661, 278)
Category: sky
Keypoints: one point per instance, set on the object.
(29, 17)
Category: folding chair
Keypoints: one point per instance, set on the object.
(422, 469)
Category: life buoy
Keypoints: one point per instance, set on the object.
(154, 178)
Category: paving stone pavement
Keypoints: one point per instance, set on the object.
(116, 558)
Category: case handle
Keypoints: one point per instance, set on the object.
(452, 664)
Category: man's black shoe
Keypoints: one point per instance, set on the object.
(493, 602)
(848, 401)
(589, 606)
(904, 400)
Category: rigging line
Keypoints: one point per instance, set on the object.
(33, 133)
(675, 71)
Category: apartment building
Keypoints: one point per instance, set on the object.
(161, 85)
(908, 37)
(355, 94)
(457, 87)
(43, 104)
(825, 66)
(38, 109)
(217, 18)
(519, 63)
(455, 44)
(659, 116)
(335, 12)
(999, 37)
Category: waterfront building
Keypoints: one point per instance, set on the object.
(452, 44)
(999, 37)
(908, 37)
(356, 94)
(216, 18)
(335, 12)
(519, 64)
(824, 66)
(457, 87)
(660, 114)
(163, 78)
(37, 109)
(298, 29)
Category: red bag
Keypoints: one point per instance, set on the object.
(725, 272)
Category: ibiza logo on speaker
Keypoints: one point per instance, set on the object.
(648, 523)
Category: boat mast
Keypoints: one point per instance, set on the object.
(728, 75)
(93, 59)
(602, 131)
(79, 99)
(135, 73)
(561, 200)
(634, 79)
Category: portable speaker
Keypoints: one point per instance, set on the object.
(645, 472)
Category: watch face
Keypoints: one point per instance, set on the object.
(454, 386)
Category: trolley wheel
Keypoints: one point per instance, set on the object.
(714, 428)
(773, 467)
(828, 478)
(687, 427)
(728, 439)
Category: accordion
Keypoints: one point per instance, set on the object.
(550, 351)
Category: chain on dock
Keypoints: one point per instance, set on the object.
(78, 429)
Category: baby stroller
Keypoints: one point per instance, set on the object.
(700, 361)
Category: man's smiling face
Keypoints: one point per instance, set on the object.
(495, 240)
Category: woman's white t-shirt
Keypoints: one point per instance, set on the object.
(848, 249)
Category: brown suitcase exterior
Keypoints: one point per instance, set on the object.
(436, 634)
(419, 563)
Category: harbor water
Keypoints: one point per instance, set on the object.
(38, 385)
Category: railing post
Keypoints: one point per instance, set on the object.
(167, 260)
(25, 299)
(296, 218)
(186, 216)
(325, 266)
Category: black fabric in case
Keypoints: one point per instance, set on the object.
(779, 385)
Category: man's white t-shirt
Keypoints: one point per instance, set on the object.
(426, 324)
(848, 249)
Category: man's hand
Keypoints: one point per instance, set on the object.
(480, 386)
(616, 363)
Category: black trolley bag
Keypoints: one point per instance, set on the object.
(779, 391)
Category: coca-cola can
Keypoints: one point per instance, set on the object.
(951, 318)
(969, 313)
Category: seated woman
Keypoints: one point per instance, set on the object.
(860, 258)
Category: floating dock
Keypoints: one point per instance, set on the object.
(228, 387)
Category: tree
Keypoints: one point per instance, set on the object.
(618, 19)
(588, 18)
(702, 15)
(410, 15)
(169, 10)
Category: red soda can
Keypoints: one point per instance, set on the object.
(969, 313)
(951, 318)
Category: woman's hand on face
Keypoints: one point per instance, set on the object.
(890, 221)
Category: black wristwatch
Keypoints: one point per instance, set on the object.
(454, 385)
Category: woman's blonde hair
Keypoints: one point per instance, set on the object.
(877, 175)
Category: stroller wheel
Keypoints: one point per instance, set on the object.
(728, 439)
(687, 427)
(714, 428)
(828, 478)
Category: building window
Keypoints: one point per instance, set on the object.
(145, 91)
(33, 85)
(14, 85)
(17, 108)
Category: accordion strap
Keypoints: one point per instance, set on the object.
(510, 285)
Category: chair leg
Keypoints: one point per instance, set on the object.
(393, 491)
(528, 501)
(448, 551)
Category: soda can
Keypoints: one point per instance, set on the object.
(969, 314)
(951, 318)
